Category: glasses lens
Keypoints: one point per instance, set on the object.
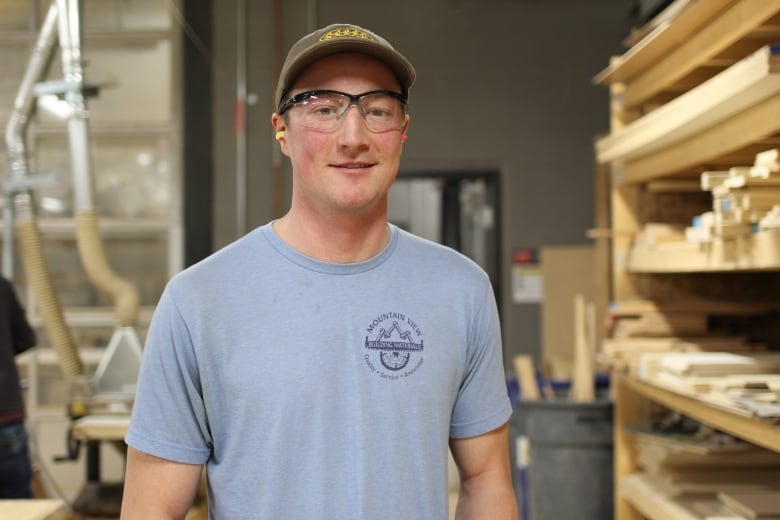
(382, 112)
(324, 110)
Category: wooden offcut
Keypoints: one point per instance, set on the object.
(582, 385)
(526, 377)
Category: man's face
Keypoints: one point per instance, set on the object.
(348, 169)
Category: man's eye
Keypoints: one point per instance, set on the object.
(323, 111)
(378, 112)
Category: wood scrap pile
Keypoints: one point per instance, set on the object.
(655, 329)
(744, 200)
(710, 474)
(742, 383)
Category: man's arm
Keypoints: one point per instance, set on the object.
(485, 476)
(158, 488)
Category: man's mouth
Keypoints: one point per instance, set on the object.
(354, 166)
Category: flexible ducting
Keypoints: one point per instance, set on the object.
(26, 226)
(46, 299)
(124, 295)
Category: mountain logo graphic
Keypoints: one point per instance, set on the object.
(394, 346)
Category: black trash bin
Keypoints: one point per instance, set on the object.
(570, 473)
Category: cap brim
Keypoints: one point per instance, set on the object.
(400, 66)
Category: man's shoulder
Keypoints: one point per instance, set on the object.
(435, 254)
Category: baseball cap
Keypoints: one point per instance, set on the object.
(338, 38)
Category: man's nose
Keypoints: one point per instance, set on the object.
(353, 126)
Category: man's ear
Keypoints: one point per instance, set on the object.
(280, 129)
(405, 129)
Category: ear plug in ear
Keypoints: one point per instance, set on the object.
(279, 135)
(404, 137)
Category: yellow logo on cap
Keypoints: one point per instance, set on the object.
(345, 33)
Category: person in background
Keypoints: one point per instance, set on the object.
(322, 366)
(16, 336)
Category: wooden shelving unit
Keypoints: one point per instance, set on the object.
(760, 251)
(699, 92)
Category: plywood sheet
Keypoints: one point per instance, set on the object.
(566, 272)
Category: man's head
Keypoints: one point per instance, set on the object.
(335, 39)
(343, 160)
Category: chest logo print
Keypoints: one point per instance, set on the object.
(395, 341)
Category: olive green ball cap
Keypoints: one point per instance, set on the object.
(335, 39)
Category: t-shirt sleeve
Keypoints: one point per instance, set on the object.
(169, 418)
(483, 402)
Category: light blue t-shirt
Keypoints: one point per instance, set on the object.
(314, 390)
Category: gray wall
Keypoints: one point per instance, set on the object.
(502, 84)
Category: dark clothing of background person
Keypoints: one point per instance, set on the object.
(16, 336)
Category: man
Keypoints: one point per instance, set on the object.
(16, 336)
(321, 365)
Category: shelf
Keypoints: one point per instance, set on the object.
(719, 38)
(109, 227)
(48, 357)
(759, 251)
(752, 430)
(742, 85)
(652, 502)
(741, 308)
(82, 317)
(660, 41)
(731, 142)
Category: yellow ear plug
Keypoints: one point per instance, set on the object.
(279, 135)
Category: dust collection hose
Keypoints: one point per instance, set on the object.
(31, 252)
(124, 294)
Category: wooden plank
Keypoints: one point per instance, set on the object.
(758, 251)
(758, 122)
(715, 510)
(101, 427)
(651, 501)
(668, 14)
(566, 271)
(658, 43)
(634, 307)
(754, 505)
(583, 383)
(629, 409)
(526, 377)
(742, 85)
(602, 278)
(733, 25)
(35, 509)
(751, 430)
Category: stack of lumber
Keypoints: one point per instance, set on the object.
(741, 383)
(708, 475)
(659, 328)
(742, 198)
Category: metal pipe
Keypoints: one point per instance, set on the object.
(123, 294)
(14, 135)
(78, 120)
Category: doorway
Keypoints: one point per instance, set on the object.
(458, 209)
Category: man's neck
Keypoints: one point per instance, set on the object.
(336, 240)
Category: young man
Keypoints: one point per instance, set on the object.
(321, 366)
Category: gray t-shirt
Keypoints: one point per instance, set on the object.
(314, 390)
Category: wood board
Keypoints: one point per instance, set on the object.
(759, 505)
(740, 86)
(566, 272)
